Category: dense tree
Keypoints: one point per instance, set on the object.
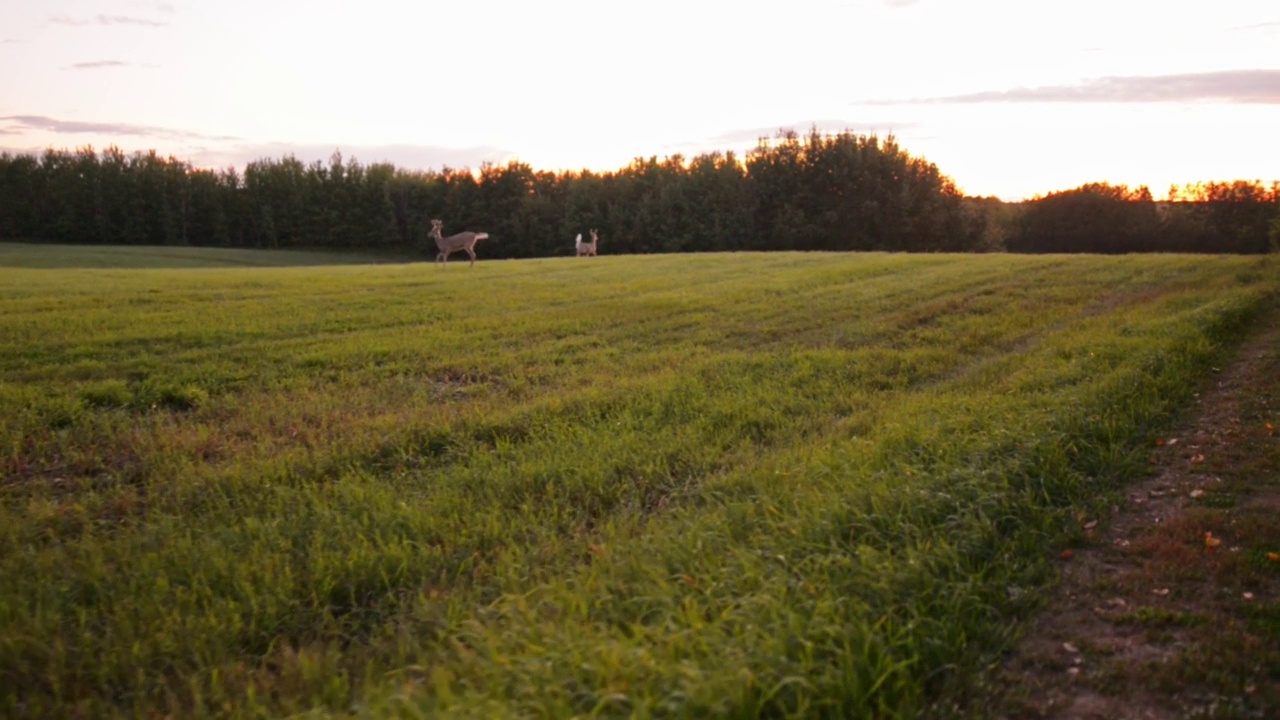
(1273, 235)
(21, 185)
(1097, 217)
(724, 210)
(791, 192)
(1100, 218)
(1232, 217)
(851, 192)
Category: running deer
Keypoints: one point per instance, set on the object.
(586, 248)
(453, 243)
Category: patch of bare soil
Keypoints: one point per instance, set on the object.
(1172, 609)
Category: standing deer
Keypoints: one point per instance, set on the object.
(453, 243)
(586, 248)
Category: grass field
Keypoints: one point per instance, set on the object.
(748, 485)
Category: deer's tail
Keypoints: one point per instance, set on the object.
(482, 236)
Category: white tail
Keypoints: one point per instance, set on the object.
(586, 249)
(453, 243)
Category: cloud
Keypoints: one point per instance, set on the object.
(105, 20)
(97, 64)
(1260, 87)
(18, 124)
(862, 4)
(1264, 27)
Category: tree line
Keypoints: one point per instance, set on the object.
(1208, 217)
(814, 192)
(791, 192)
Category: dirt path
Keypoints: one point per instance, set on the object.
(1172, 610)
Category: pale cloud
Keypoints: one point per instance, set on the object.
(98, 64)
(20, 124)
(872, 3)
(1245, 87)
(105, 20)
(1258, 27)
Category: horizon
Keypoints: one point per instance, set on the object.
(1158, 197)
(1044, 100)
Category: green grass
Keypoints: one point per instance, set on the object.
(747, 485)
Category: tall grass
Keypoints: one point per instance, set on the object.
(785, 485)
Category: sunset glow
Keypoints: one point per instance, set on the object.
(1008, 98)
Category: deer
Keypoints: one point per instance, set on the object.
(586, 249)
(449, 245)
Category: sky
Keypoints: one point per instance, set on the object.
(1009, 98)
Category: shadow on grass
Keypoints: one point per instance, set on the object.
(51, 256)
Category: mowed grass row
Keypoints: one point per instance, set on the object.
(743, 485)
